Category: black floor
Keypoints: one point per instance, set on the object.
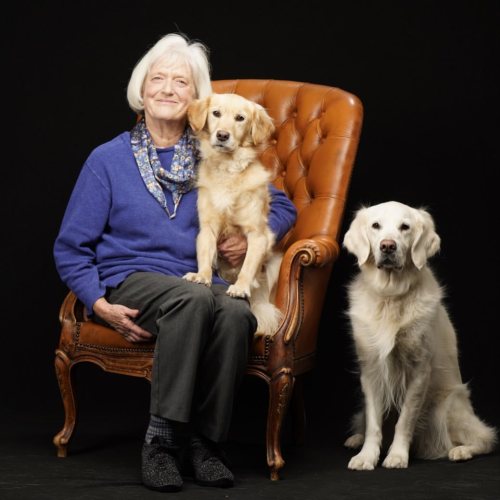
(104, 463)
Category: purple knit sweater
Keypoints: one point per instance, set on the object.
(113, 226)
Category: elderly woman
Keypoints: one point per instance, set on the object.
(129, 235)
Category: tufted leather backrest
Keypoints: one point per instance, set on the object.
(313, 149)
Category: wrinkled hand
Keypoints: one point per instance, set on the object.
(233, 249)
(121, 319)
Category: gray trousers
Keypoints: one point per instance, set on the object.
(202, 342)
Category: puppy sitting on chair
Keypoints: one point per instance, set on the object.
(234, 198)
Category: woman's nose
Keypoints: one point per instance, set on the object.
(167, 86)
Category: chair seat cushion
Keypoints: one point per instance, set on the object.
(88, 335)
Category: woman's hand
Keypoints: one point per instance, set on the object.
(233, 249)
(121, 319)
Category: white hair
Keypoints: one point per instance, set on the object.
(174, 46)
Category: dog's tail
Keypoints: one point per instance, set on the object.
(268, 318)
(268, 315)
(451, 423)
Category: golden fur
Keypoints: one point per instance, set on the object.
(406, 345)
(233, 197)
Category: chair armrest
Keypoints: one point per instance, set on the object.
(317, 251)
(67, 310)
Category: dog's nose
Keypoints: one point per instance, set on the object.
(222, 135)
(388, 246)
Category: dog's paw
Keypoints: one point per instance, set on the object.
(460, 453)
(238, 291)
(355, 441)
(396, 461)
(363, 461)
(198, 278)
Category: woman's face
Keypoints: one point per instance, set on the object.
(168, 89)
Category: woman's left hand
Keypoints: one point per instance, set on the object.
(233, 249)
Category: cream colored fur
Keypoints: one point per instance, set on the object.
(233, 197)
(406, 345)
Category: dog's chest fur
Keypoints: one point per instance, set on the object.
(234, 193)
(394, 327)
(390, 345)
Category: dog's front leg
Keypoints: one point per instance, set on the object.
(368, 457)
(206, 249)
(398, 455)
(256, 249)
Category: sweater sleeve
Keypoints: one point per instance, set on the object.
(283, 214)
(82, 226)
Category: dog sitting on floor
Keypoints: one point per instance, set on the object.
(233, 197)
(406, 344)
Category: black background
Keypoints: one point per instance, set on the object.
(426, 72)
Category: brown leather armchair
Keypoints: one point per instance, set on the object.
(313, 151)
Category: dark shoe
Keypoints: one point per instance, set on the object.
(210, 465)
(159, 466)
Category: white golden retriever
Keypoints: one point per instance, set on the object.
(233, 197)
(406, 345)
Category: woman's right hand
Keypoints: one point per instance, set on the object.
(121, 319)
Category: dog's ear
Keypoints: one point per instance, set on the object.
(426, 242)
(262, 125)
(356, 240)
(197, 113)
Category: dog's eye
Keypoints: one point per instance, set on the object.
(404, 227)
(216, 113)
(376, 225)
(239, 118)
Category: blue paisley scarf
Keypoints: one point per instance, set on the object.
(182, 175)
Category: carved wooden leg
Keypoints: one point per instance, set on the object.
(63, 371)
(280, 390)
(298, 412)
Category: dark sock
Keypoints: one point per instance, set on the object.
(161, 427)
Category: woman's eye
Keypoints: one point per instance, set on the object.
(376, 225)
(404, 227)
(239, 118)
(216, 113)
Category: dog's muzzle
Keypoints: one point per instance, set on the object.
(388, 263)
(222, 141)
(388, 257)
(222, 136)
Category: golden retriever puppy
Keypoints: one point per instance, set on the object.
(233, 197)
(406, 344)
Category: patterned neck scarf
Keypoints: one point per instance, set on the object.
(182, 175)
